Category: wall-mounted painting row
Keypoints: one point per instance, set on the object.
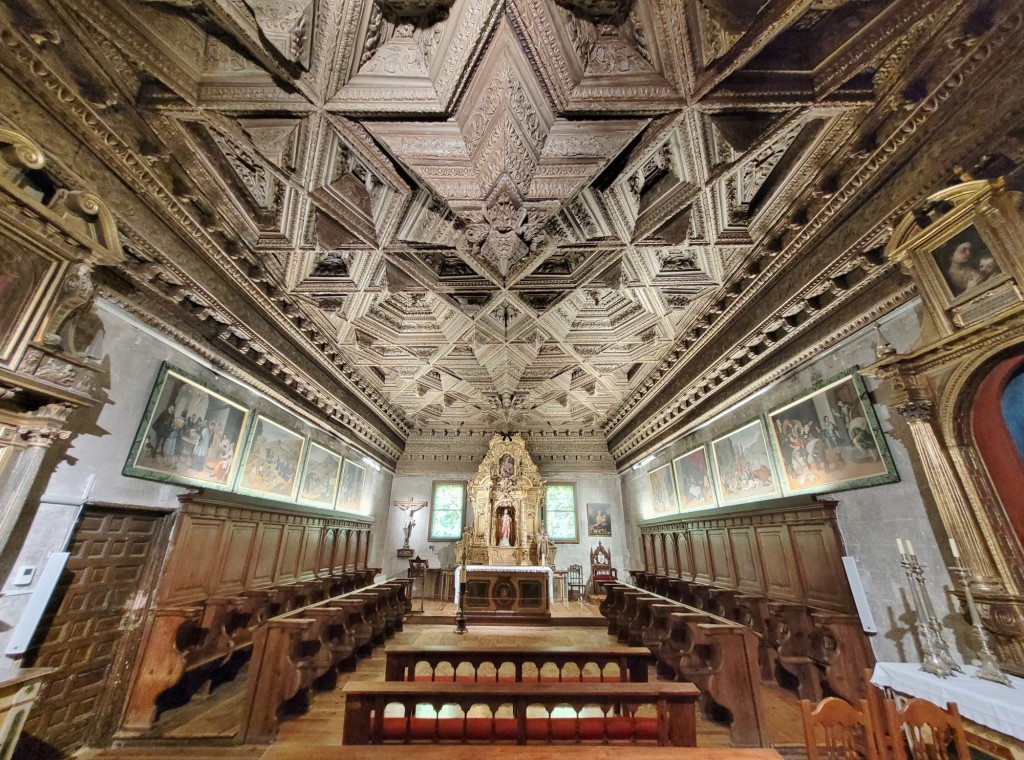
(192, 435)
(823, 441)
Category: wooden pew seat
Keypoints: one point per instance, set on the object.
(495, 730)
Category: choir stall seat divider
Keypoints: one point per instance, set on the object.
(294, 651)
(631, 663)
(365, 704)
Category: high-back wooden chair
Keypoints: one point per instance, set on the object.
(848, 732)
(601, 567)
(574, 579)
(876, 701)
(927, 731)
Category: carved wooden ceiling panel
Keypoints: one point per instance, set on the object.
(515, 214)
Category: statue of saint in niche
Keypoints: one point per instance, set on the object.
(505, 526)
(506, 466)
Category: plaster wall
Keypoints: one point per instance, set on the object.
(870, 519)
(87, 469)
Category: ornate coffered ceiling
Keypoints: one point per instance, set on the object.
(499, 214)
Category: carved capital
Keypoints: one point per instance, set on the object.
(919, 410)
(43, 433)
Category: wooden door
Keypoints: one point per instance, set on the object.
(90, 632)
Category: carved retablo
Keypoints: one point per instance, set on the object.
(507, 498)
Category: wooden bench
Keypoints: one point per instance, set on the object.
(629, 663)
(295, 652)
(192, 646)
(367, 723)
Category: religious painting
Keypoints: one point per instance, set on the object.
(663, 491)
(320, 475)
(599, 521)
(966, 262)
(25, 277)
(506, 466)
(272, 458)
(829, 440)
(189, 434)
(743, 466)
(350, 497)
(693, 480)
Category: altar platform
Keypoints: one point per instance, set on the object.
(570, 614)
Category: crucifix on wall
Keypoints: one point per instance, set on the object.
(409, 507)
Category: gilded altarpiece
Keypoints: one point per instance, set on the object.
(964, 249)
(506, 501)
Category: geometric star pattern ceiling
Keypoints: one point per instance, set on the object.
(505, 214)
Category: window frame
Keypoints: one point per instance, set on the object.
(575, 509)
(433, 500)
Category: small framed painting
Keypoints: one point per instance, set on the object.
(829, 440)
(663, 491)
(693, 480)
(272, 459)
(743, 466)
(188, 434)
(599, 521)
(350, 497)
(321, 474)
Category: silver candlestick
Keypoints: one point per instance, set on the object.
(988, 668)
(935, 657)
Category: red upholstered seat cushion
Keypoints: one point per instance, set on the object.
(504, 729)
(509, 678)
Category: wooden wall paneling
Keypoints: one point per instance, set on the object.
(291, 549)
(672, 547)
(744, 554)
(781, 580)
(820, 566)
(701, 556)
(239, 540)
(193, 557)
(722, 570)
(346, 550)
(267, 550)
(644, 541)
(309, 561)
(685, 563)
(367, 539)
(328, 549)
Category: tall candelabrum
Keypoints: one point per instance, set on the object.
(935, 651)
(988, 668)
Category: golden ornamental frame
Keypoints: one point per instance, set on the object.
(963, 248)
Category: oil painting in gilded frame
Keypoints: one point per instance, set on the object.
(321, 474)
(599, 520)
(272, 459)
(27, 278)
(693, 480)
(189, 434)
(743, 467)
(663, 491)
(350, 497)
(829, 440)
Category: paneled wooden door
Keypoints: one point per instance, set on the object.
(91, 630)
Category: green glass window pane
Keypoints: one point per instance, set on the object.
(560, 509)
(446, 512)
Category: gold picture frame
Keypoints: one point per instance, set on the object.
(273, 456)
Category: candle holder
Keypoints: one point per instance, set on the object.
(988, 668)
(935, 652)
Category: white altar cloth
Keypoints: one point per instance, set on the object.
(505, 568)
(986, 702)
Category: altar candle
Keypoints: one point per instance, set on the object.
(899, 545)
(910, 548)
(956, 551)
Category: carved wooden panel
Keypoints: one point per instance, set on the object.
(701, 557)
(744, 554)
(193, 562)
(268, 545)
(672, 554)
(721, 558)
(780, 573)
(237, 549)
(309, 561)
(291, 547)
(685, 563)
(821, 570)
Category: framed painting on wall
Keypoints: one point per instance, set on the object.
(188, 434)
(829, 440)
(272, 458)
(743, 466)
(693, 480)
(599, 521)
(27, 278)
(320, 475)
(350, 496)
(663, 491)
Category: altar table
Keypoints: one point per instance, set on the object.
(991, 704)
(506, 588)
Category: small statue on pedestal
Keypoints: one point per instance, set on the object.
(409, 507)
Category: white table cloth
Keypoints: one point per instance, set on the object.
(986, 702)
(508, 569)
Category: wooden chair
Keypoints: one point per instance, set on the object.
(928, 730)
(849, 732)
(601, 566)
(574, 579)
